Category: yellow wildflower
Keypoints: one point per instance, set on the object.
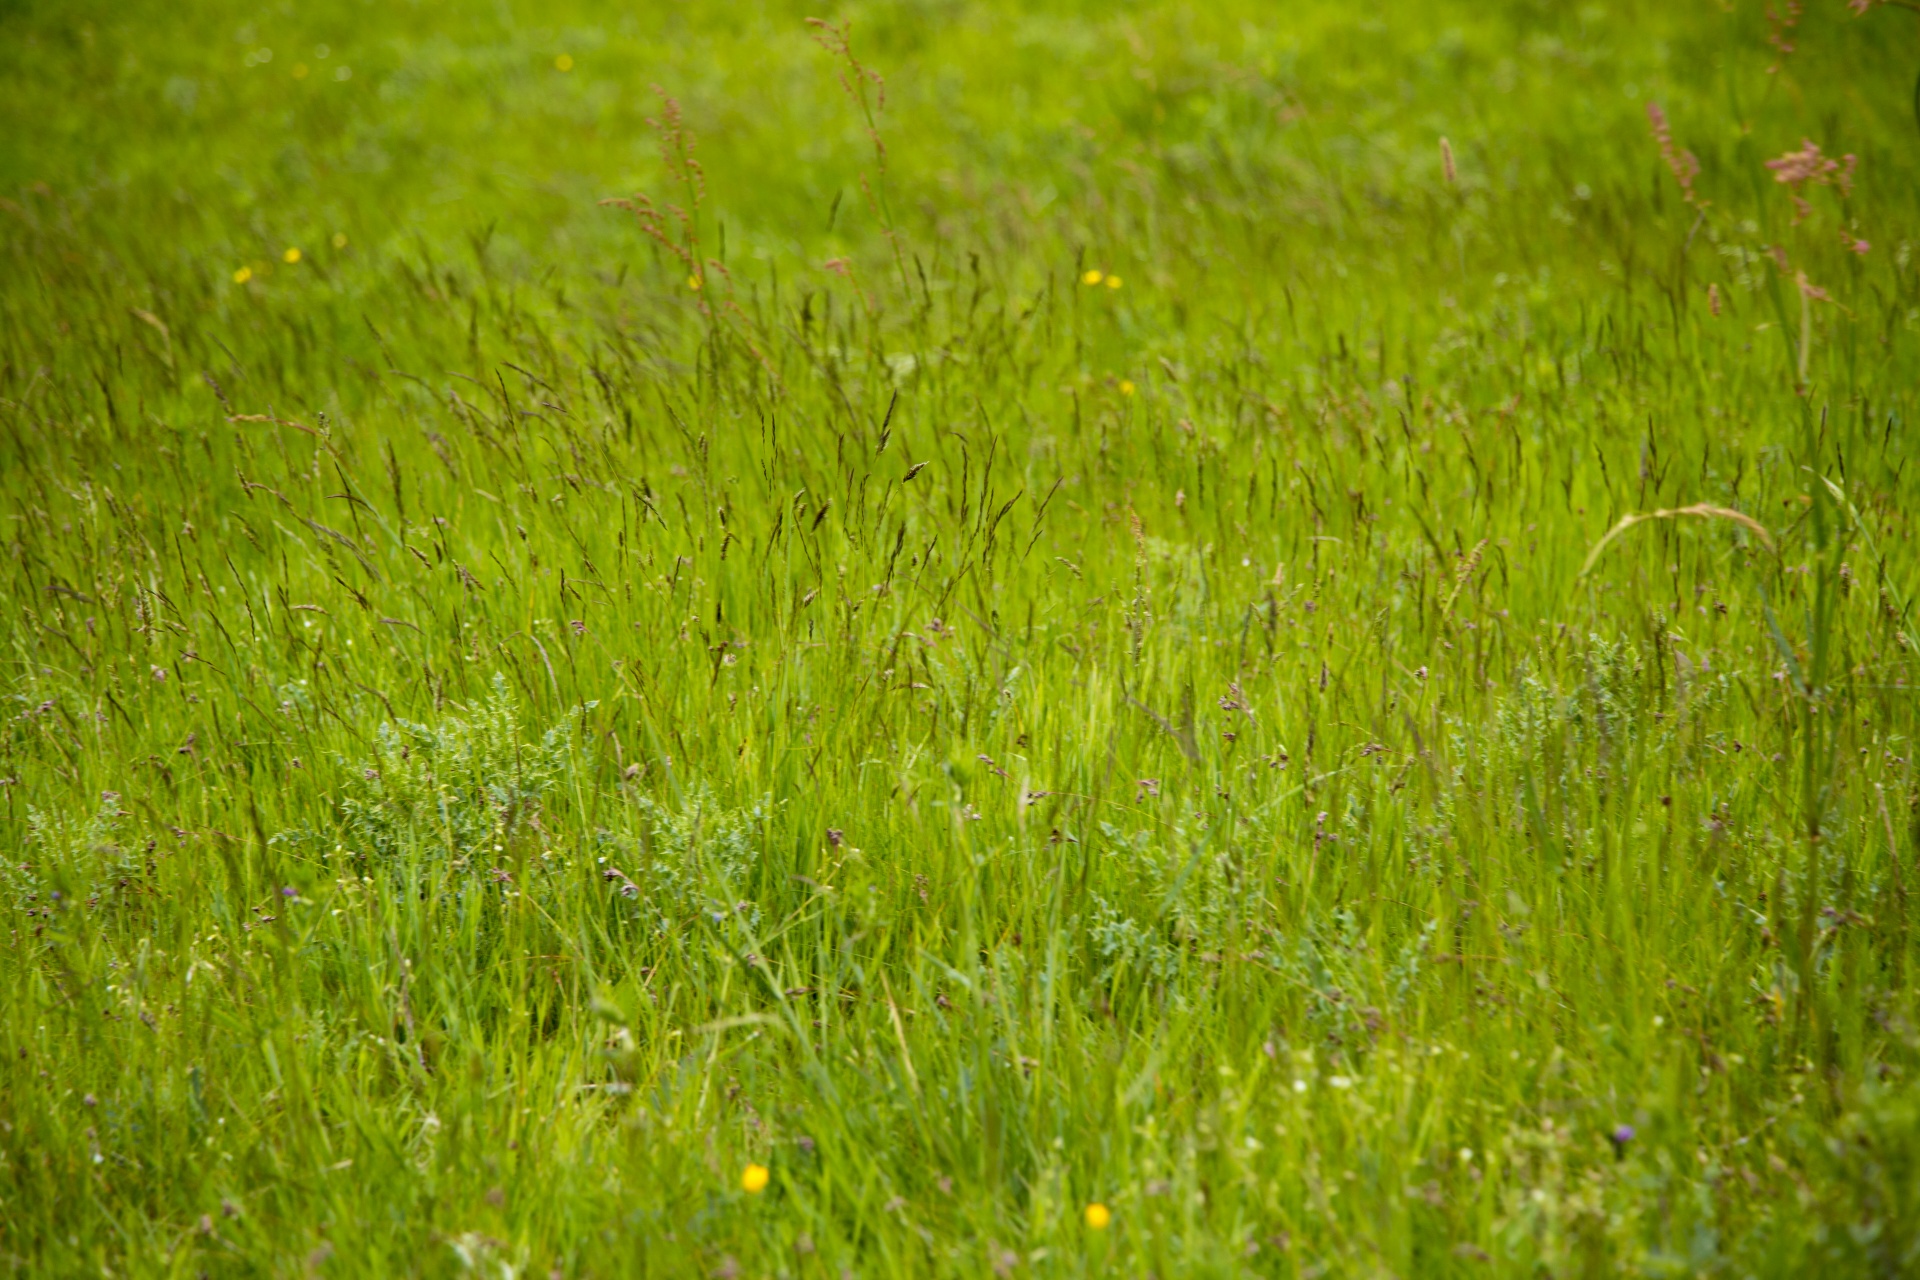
(753, 1179)
(1098, 1216)
(1113, 282)
(563, 63)
(1093, 277)
(291, 256)
(243, 275)
(1126, 387)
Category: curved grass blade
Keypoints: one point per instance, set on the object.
(1706, 510)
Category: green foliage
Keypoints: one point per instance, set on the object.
(1113, 624)
(455, 788)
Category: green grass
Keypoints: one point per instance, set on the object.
(498, 740)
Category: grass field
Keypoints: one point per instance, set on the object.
(1011, 668)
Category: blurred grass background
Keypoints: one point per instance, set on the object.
(501, 739)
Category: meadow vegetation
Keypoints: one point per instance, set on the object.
(1010, 664)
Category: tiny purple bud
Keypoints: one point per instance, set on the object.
(1621, 1136)
(289, 892)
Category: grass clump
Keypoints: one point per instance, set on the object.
(453, 788)
(1078, 658)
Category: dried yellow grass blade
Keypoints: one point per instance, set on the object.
(1706, 510)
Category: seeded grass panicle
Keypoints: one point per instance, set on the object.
(1103, 623)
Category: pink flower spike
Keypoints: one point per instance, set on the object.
(1804, 165)
(1810, 290)
(1683, 164)
(1805, 168)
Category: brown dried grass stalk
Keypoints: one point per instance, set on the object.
(1704, 509)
